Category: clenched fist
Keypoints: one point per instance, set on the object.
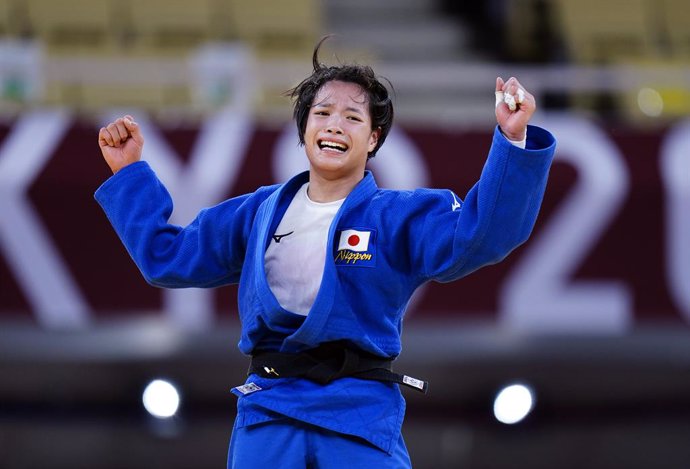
(121, 143)
(514, 108)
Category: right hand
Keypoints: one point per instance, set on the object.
(121, 143)
(513, 123)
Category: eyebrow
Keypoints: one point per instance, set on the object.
(349, 108)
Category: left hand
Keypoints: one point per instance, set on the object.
(513, 123)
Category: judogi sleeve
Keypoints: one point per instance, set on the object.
(453, 237)
(208, 252)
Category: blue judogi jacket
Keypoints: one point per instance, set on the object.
(414, 237)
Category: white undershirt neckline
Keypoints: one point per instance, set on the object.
(296, 256)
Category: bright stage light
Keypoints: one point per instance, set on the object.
(161, 399)
(513, 403)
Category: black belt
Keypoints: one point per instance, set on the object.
(328, 362)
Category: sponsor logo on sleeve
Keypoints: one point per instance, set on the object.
(456, 204)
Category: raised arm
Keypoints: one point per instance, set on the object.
(456, 237)
(208, 252)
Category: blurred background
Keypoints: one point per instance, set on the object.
(589, 318)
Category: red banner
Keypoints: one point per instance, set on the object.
(610, 249)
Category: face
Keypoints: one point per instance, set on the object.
(338, 135)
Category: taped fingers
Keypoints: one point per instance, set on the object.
(499, 97)
(511, 93)
(511, 100)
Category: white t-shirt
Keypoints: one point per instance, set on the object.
(296, 256)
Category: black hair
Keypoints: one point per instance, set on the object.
(380, 103)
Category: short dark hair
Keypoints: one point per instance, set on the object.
(380, 103)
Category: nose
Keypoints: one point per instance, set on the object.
(333, 125)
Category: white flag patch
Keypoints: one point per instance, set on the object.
(354, 240)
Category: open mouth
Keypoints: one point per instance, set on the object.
(330, 145)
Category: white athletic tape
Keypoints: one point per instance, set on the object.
(510, 101)
(520, 95)
(499, 97)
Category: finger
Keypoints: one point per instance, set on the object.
(509, 92)
(514, 87)
(499, 91)
(509, 99)
(500, 97)
(114, 133)
(511, 88)
(104, 138)
(502, 113)
(101, 137)
(520, 96)
(511, 82)
(122, 130)
(529, 104)
(134, 130)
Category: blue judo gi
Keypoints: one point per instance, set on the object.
(411, 237)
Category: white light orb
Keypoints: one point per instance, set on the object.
(161, 399)
(513, 403)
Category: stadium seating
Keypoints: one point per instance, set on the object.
(647, 34)
(74, 26)
(676, 23)
(598, 31)
(89, 32)
(170, 26)
(5, 17)
(13, 20)
(275, 27)
(593, 32)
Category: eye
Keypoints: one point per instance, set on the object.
(354, 118)
(320, 113)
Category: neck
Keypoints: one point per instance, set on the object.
(322, 189)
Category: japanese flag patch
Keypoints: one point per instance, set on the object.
(356, 247)
(354, 240)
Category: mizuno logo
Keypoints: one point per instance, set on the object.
(277, 237)
(456, 205)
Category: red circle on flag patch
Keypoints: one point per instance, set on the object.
(353, 240)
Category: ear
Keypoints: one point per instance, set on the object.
(374, 139)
